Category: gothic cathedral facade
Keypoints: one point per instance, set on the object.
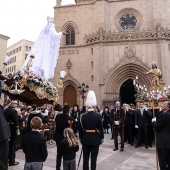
(107, 43)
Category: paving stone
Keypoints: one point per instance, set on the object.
(130, 159)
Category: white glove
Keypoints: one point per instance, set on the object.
(136, 126)
(117, 122)
(145, 109)
(154, 119)
(17, 131)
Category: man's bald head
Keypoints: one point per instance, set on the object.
(117, 104)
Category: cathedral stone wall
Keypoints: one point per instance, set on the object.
(103, 45)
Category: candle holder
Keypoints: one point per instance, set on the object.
(62, 75)
(154, 95)
(16, 90)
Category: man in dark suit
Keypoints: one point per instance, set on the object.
(117, 118)
(34, 113)
(12, 119)
(143, 117)
(129, 123)
(162, 127)
(62, 121)
(126, 133)
(90, 132)
(0, 89)
(4, 140)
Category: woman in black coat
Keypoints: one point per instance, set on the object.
(75, 114)
(106, 119)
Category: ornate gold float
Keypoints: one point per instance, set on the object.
(34, 89)
(156, 95)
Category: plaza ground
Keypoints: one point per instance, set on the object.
(131, 159)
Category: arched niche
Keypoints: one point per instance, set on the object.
(70, 81)
(69, 96)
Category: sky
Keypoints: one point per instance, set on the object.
(24, 19)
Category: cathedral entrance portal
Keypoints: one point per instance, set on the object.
(70, 97)
(127, 92)
(119, 81)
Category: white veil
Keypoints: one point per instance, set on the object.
(45, 50)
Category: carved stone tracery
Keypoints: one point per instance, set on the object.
(104, 36)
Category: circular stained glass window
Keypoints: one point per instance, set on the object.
(128, 20)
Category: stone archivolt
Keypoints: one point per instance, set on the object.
(127, 68)
(122, 72)
(104, 36)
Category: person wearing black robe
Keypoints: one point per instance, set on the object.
(11, 116)
(162, 126)
(5, 134)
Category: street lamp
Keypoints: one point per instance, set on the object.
(83, 89)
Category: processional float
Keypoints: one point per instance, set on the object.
(30, 84)
(155, 96)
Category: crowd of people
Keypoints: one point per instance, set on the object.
(31, 128)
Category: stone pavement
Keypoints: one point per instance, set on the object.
(131, 159)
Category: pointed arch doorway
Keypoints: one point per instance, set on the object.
(127, 92)
(120, 74)
(70, 96)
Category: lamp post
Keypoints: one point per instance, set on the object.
(83, 89)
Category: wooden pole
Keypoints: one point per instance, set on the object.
(70, 123)
(43, 128)
(155, 136)
(80, 158)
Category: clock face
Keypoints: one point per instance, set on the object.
(128, 21)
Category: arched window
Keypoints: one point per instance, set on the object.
(70, 36)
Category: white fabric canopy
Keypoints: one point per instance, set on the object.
(45, 50)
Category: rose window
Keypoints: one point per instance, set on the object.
(128, 21)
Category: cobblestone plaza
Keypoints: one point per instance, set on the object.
(131, 159)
